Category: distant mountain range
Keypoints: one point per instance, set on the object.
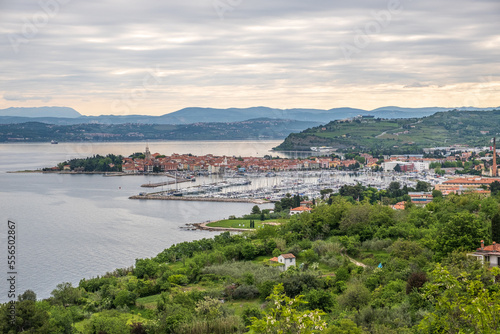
(41, 112)
(69, 116)
(262, 128)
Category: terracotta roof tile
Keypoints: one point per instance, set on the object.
(288, 256)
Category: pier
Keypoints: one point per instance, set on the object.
(200, 199)
(166, 183)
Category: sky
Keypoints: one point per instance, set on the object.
(154, 57)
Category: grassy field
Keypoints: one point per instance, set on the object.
(149, 301)
(241, 223)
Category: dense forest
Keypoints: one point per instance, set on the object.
(362, 267)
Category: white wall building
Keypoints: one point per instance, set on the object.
(287, 259)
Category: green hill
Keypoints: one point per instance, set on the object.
(473, 128)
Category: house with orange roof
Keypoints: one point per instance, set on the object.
(464, 184)
(399, 205)
(420, 198)
(299, 210)
(488, 254)
(287, 259)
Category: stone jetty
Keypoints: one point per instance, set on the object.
(200, 199)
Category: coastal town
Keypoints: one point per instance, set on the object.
(269, 179)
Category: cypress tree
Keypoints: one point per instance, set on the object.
(495, 227)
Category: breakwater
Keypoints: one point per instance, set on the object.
(200, 199)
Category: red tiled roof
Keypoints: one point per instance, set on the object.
(288, 256)
(399, 206)
(470, 180)
(301, 208)
(274, 259)
(490, 248)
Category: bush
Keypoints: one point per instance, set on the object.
(240, 270)
(342, 274)
(305, 244)
(124, 298)
(415, 281)
(265, 289)
(295, 250)
(322, 247)
(320, 299)
(246, 292)
(178, 279)
(249, 313)
(332, 260)
(249, 251)
(376, 244)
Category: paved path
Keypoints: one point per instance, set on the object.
(359, 264)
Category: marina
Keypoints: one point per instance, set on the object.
(272, 187)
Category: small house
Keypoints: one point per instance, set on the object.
(287, 259)
(488, 254)
(298, 210)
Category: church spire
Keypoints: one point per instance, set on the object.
(147, 154)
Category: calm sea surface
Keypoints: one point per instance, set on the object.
(71, 227)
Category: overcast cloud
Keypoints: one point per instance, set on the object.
(155, 57)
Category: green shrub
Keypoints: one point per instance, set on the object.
(178, 279)
(246, 292)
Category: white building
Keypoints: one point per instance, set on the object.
(415, 165)
(287, 259)
(421, 166)
(489, 254)
(390, 165)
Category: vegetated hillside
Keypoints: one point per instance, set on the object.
(361, 268)
(251, 129)
(473, 128)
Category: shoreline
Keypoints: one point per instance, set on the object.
(204, 227)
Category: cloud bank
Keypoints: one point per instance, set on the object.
(152, 57)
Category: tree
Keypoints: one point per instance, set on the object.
(494, 187)
(397, 168)
(255, 210)
(65, 294)
(107, 322)
(462, 304)
(355, 297)
(325, 192)
(124, 298)
(30, 317)
(423, 186)
(27, 295)
(495, 227)
(462, 231)
(249, 251)
(394, 189)
(346, 326)
(209, 308)
(284, 316)
(416, 280)
(437, 194)
(439, 171)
